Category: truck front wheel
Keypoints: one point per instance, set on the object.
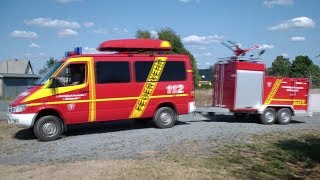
(165, 117)
(284, 116)
(268, 116)
(48, 128)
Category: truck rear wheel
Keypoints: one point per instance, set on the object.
(268, 116)
(48, 128)
(165, 117)
(284, 116)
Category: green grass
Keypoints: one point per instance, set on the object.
(278, 156)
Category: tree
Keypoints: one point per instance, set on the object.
(303, 66)
(168, 34)
(143, 34)
(300, 65)
(281, 66)
(47, 66)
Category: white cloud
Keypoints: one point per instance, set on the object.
(154, 34)
(54, 23)
(298, 22)
(266, 46)
(68, 1)
(23, 34)
(298, 38)
(285, 55)
(207, 54)
(88, 50)
(271, 3)
(33, 45)
(67, 33)
(194, 39)
(100, 31)
(88, 24)
(119, 30)
(42, 54)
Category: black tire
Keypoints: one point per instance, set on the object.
(48, 128)
(165, 117)
(284, 116)
(239, 115)
(268, 116)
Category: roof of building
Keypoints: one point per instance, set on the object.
(14, 75)
(16, 67)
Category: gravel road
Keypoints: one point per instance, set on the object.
(129, 139)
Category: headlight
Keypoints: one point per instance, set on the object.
(25, 93)
(18, 108)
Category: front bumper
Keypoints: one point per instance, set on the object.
(23, 120)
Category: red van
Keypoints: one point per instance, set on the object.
(139, 81)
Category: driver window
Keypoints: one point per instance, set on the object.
(73, 74)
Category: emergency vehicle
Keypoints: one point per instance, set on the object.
(242, 88)
(140, 80)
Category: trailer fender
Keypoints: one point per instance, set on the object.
(276, 107)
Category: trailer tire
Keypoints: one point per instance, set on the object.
(48, 128)
(165, 117)
(268, 116)
(284, 116)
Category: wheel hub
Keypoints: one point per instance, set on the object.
(49, 129)
(269, 117)
(165, 118)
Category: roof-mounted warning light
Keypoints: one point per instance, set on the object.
(135, 45)
(77, 51)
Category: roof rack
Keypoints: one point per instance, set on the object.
(135, 45)
(239, 58)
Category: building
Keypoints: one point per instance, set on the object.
(206, 77)
(15, 77)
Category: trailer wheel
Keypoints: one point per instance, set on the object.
(268, 116)
(48, 128)
(284, 116)
(165, 117)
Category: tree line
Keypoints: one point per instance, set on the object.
(301, 66)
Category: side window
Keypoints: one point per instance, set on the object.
(73, 74)
(112, 72)
(173, 71)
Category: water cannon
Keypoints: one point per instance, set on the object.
(76, 51)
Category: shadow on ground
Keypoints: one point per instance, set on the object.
(232, 119)
(97, 128)
(302, 150)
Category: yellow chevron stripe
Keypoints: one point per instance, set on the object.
(273, 91)
(149, 87)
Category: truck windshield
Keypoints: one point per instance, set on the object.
(48, 74)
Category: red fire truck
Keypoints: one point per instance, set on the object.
(139, 81)
(242, 87)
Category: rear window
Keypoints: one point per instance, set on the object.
(112, 72)
(173, 71)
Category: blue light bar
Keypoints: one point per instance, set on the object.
(77, 51)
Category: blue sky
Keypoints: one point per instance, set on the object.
(39, 29)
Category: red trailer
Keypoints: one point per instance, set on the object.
(242, 87)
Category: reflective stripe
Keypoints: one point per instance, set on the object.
(106, 100)
(273, 91)
(92, 98)
(149, 87)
